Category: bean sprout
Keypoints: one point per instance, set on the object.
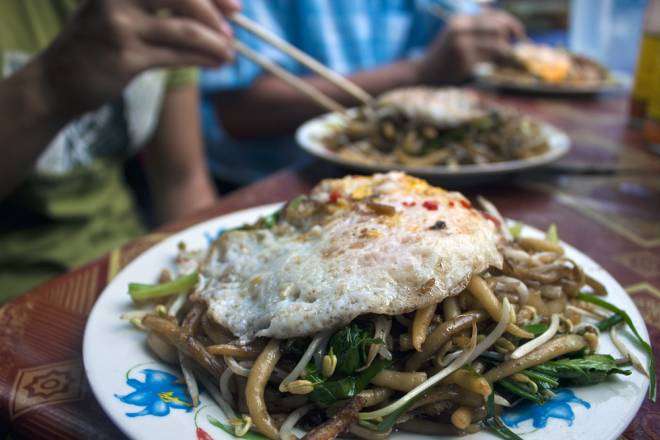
(237, 368)
(217, 397)
(321, 339)
(535, 343)
(618, 343)
(286, 431)
(224, 385)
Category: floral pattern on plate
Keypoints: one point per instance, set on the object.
(157, 394)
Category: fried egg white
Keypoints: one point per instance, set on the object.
(442, 107)
(386, 244)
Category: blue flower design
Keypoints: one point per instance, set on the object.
(159, 392)
(557, 408)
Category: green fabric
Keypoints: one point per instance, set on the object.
(61, 222)
(63, 217)
(29, 25)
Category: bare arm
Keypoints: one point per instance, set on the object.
(270, 107)
(175, 163)
(106, 44)
(30, 117)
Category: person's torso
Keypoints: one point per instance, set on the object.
(345, 35)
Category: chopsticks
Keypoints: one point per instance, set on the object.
(304, 59)
(289, 78)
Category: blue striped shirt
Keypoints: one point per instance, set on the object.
(346, 35)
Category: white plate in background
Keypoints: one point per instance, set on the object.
(310, 137)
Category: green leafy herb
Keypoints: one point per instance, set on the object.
(593, 299)
(515, 230)
(311, 373)
(587, 370)
(142, 292)
(542, 380)
(552, 234)
(230, 430)
(329, 392)
(609, 322)
(351, 346)
(535, 329)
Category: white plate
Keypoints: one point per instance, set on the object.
(309, 136)
(114, 352)
(483, 73)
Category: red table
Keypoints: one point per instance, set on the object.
(604, 197)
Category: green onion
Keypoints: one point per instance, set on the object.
(490, 404)
(230, 430)
(552, 234)
(515, 230)
(296, 201)
(391, 419)
(541, 378)
(497, 427)
(518, 390)
(593, 299)
(142, 292)
(495, 424)
(609, 322)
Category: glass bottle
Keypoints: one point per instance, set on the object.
(651, 128)
(647, 76)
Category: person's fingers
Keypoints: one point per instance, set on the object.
(516, 28)
(203, 11)
(171, 58)
(184, 33)
(228, 6)
(508, 23)
(489, 31)
(491, 50)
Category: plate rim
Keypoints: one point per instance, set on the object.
(482, 77)
(107, 290)
(255, 212)
(560, 146)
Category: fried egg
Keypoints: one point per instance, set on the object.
(385, 244)
(550, 64)
(442, 107)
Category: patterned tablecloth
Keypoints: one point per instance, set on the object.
(604, 197)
